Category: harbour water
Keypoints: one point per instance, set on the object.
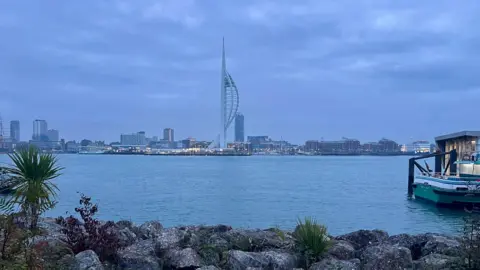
(345, 193)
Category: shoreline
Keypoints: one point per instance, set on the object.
(151, 246)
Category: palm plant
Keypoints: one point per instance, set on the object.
(33, 192)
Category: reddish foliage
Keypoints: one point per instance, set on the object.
(91, 233)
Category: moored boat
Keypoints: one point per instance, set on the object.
(456, 178)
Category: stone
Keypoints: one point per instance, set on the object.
(169, 239)
(413, 242)
(240, 260)
(386, 257)
(87, 260)
(438, 262)
(442, 244)
(280, 260)
(342, 250)
(257, 240)
(335, 264)
(183, 259)
(150, 229)
(126, 237)
(140, 255)
(209, 267)
(237, 259)
(363, 238)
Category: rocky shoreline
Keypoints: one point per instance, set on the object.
(151, 246)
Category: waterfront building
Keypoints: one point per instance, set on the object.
(188, 143)
(133, 139)
(40, 130)
(15, 131)
(312, 146)
(229, 102)
(53, 135)
(72, 147)
(168, 135)
(239, 128)
(421, 147)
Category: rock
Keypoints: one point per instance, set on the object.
(342, 250)
(210, 267)
(150, 229)
(334, 264)
(438, 262)
(278, 260)
(87, 260)
(52, 250)
(257, 240)
(237, 260)
(126, 237)
(169, 239)
(122, 224)
(443, 245)
(386, 257)
(140, 255)
(413, 242)
(183, 259)
(50, 229)
(210, 254)
(363, 238)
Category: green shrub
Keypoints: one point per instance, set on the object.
(311, 238)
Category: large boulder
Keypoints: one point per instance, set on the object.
(183, 259)
(169, 239)
(386, 257)
(413, 242)
(87, 260)
(125, 237)
(363, 238)
(342, 250)
(443, 245)
(237, 259)
(257, 240)
(209, 267)
(240, 260)
(140, 255)
(334, 264)
(150, 229)
(438, 262)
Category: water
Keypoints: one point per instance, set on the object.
(345, 193)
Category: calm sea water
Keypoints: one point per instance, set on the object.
(345, 193)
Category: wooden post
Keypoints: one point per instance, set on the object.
(411, 175)
(453, 159)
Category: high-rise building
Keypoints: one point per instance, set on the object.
(239, 128)
(40, 130)
(168, 135)
(228, 101)
(133, 139)
(15, 130)
(53, 135)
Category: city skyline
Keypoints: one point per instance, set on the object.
(305, 69)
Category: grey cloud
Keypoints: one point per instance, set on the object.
(306, 69)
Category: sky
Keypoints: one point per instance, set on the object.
(305, 69)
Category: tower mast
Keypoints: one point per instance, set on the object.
(223, 131)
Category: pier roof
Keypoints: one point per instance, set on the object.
(457, 135)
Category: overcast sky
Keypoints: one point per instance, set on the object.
(305, 69)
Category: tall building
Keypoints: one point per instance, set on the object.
(133, 139)
(15, 130)
(168, 135)
(239, 128)
(40, 130)
(53, 135)
(228, 101)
